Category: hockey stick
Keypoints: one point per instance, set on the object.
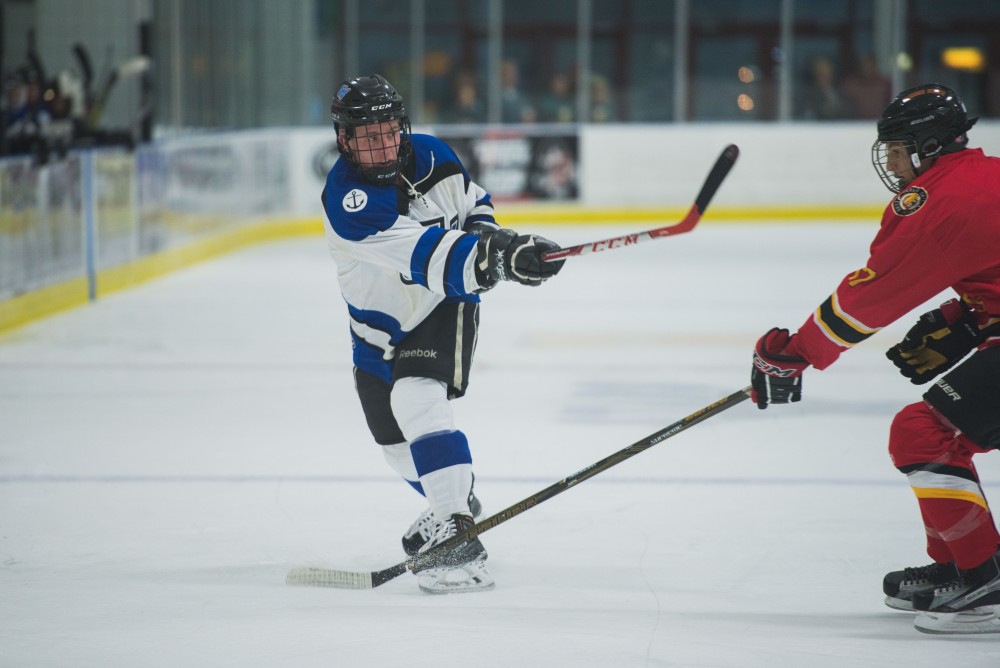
(715, 178)
(87, 71)
(129, 68)
(328, 577)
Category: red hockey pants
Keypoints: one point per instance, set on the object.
(938, 464)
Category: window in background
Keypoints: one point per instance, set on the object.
(728, 84)
(963, 75)
(841, 58)
(538, 63)
(732, 72)
(384, 40)
(651, 89)
(630, 61)
(935, 26)
(837, 71)
(230, 63)
(219, 65)
(456, 62)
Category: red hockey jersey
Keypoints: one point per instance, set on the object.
(942, 231)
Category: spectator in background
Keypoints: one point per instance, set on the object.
(866, 89)
(601, 110)
(466, 106)
(558, 105)
(514, 106)
(821, 99)
(63, 102)
(15, 108)
(24, 113)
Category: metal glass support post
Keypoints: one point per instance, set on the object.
(785, 65)
(417, 49)
(682, 32)
(494, 49)
(351, 46)
(584, 28)
(89, 206)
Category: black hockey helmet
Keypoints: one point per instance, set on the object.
(363, 101)
(928, 120)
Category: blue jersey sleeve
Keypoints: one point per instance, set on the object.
(357, 210)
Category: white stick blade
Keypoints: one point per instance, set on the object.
(327, 577)
(136, 65)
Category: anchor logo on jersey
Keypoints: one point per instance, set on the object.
(355, 200)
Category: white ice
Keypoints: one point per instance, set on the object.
(169, 452)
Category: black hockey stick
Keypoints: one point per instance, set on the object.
(87, 72)
(35, 61)
(328, 577)
(715, 178)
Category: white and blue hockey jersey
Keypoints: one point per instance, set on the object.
(399, 254)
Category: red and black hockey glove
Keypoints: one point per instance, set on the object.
(776, 378)
(939, 339)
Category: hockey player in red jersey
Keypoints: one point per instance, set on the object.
(941, 230)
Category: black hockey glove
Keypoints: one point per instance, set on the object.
(776, 378)
(940, 338)
(504, 255)
(523, 260)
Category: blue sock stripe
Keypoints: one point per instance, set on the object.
(439, 451)
(417, 486)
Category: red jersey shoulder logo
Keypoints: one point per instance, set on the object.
(909, 201)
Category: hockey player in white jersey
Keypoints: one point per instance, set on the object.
(415, 242)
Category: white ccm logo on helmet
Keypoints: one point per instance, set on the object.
(380, 107)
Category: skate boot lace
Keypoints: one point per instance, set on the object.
(425, 525)
(952, 586)
(918, 574)
(442, 532)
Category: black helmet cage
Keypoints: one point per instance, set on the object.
(926, 120)
(364, 101)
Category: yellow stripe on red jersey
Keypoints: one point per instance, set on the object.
(839, 326)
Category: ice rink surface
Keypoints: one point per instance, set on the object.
(169, 452)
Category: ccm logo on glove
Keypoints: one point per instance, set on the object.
(776, 377)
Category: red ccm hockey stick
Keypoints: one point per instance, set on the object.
(328, 577)
(715, 178)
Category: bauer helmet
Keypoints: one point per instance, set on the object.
(927, 120)
(363, 101)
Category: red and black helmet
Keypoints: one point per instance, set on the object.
(927, 120)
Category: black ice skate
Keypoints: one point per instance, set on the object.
(968, 604)
(426, 524)
(460, 569)
(900, 586)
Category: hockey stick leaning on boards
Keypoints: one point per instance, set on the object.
(328, 577)
(714, 179)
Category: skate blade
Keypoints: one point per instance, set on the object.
(977, 620)
(465, 579)
(899, 604)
